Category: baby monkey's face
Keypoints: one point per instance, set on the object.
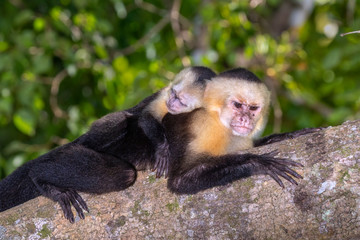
(183, 99)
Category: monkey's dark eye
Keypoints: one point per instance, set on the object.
(173, 93)
(237, 104)
(253, 108)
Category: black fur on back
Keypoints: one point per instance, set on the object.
(240, 73)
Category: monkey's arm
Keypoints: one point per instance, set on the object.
(156, 133)
(277, 137)
(217, 171)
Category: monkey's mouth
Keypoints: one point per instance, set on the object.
(241, 130)
(174, 105)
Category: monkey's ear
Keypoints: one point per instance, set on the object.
(207, 92)
(214, 96)
(210, 87)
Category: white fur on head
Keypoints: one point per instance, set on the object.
(187, 90)
(220, 90)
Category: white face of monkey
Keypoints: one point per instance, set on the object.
(181, 101)
(242, 105)
(183, 95)
(240, 116)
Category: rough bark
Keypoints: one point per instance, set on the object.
(325, 204)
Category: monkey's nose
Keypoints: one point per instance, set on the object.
(244, 120)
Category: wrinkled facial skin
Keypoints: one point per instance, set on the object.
(181, 101)
(242, 117)
(175, 103)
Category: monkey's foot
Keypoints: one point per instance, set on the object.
(68, 198)
(162, 158)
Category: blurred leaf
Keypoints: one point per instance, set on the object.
(6, 106)
(3, 46)
(42, 63)
(101, 52)
(85, 20)
(24, 122)
(332, 58)
(25, 39)
(120, 8)
(23, 17)
(120, 64)
(39, 24)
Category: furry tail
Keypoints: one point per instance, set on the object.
(17, 188)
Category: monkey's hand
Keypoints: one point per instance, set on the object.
(277, 137)
(304, 131)
(162, 158)
(275, 167)
(68, 198)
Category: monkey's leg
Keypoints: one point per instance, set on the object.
(156, 133)
(277, 137)
(75, 168)
(17, 188)
(217, 171)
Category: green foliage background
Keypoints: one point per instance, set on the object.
(65, 63)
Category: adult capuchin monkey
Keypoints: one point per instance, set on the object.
(205, 143)
(107, 157)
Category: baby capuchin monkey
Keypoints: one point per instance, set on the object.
(108, 156)
(205, 143)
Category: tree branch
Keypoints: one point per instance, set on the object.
(150, 34)
(343, 34)
(54, 93)
(325, 204)
(175, 24)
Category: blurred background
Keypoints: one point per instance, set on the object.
(64, 64)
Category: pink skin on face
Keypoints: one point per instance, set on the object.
(175, 104)
(243, 121)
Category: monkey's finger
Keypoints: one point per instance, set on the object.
(66, 207)
(77, 208)
(155, 166)
(159, 170)
(276, 178)
(158, 173)
(292, 172)
(285, 168)
(81, 201)
(167, 163)
(284, 161)
(271, 154)
(162, 166)
(288, 170)
(158, 161)
(167, 170)
(306, 131)
(76, 205)
(284, 175)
